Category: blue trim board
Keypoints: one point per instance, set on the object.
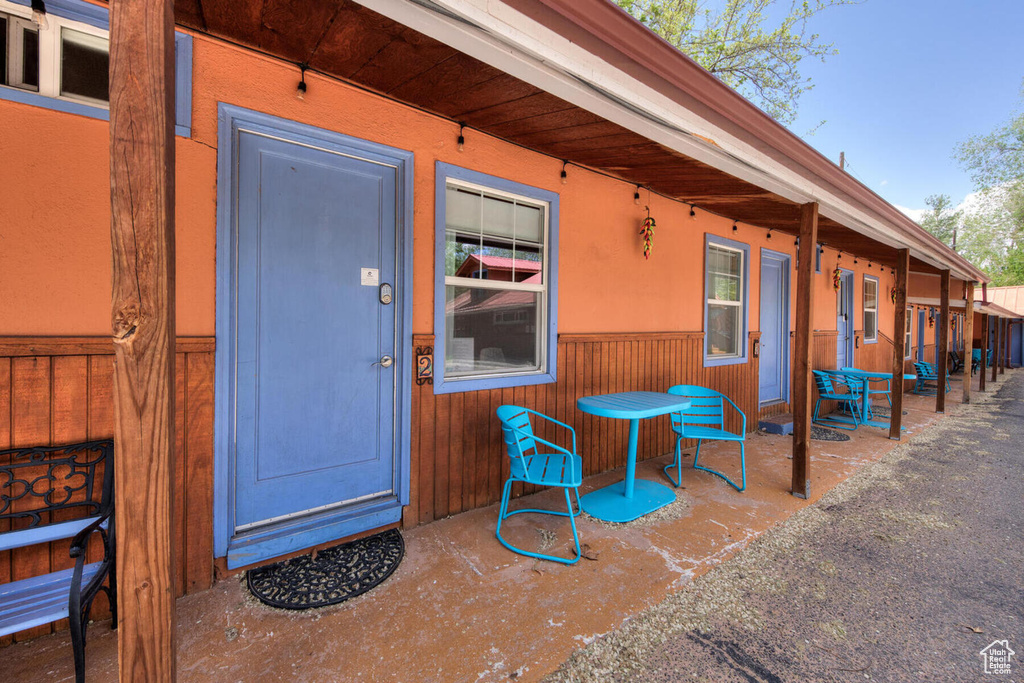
(444, 172)
(878, 306)
(713, 361)
(182, 84)
(281, 538)
(76, 10)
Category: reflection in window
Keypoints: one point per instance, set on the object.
(495, 283)
(84, 66)
(725, 305)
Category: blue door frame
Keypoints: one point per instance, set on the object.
(845, 320)
(237, 538)
(773, 369)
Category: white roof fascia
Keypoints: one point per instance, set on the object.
(506, 39)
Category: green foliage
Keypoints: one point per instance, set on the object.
(995, 231)
(744, 43)
(943, 219)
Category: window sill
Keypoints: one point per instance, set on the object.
(712, 361)
(458, 386)
(870, 341)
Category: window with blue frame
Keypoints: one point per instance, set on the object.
(496, 250)
(870, 309)
(60, 59)
(726, 287)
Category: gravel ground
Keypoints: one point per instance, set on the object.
(905, 572)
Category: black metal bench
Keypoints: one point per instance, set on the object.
(34, 484)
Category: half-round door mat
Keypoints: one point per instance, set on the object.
(825, 434)
(329, 576)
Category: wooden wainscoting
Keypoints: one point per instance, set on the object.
(57, 390)
(458, 460)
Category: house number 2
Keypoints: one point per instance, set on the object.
(424, 365)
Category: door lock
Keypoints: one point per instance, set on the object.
(385, 361)
(385, 293)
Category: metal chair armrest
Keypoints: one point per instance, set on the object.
(737, 409)
(560, 424)
(80, 540)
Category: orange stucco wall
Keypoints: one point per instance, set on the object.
(55, 252)
(55, 226)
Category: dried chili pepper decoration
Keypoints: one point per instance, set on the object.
(647, 230)
(837, 277)
(892, 293)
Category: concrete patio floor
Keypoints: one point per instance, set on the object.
(463, 608)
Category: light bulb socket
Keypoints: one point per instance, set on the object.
(734, 226)
(693, 212)
(300, 89)
(462, 143)
(564, 175)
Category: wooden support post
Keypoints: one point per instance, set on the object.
(968, 341)
(142, 240)
(899, 338)
(942, 351)
(983, 367)
(997, 341)
(802, 366)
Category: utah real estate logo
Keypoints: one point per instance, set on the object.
(997, 657)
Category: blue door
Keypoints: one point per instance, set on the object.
(844, 320)
(312, 384)
(920, 336)
(774, 343)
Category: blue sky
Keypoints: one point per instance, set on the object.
(912, 78)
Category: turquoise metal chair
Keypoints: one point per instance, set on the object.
(827, 392)
(976, 359)
(704, 420)
(856, 386)
(554, 466)
(927, 372)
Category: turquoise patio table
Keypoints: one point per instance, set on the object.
(866, 376)
(629, 499)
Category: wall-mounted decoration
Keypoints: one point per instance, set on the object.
(837, 278)
(647, 230)
(424, 365)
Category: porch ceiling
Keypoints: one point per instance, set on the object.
(348, 41)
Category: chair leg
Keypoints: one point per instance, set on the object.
(677, 462)
(730, 482)
(504, 507)
(77, 627)
(572, 523)
(503, 513)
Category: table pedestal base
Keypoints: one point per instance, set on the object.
(611, 504)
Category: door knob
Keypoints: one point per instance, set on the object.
(385, 361)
